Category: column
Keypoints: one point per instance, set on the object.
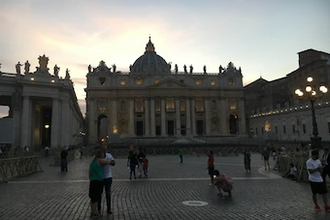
(207, 116)
(162, 112)
(131, 118)
(188, 120)
(193, 117)
(66, 123)
(26, 122)
(177, 117)
(242, 123)
(92, 121)
(152, 117)
(147, 117)
(54, 137)
(223, 116)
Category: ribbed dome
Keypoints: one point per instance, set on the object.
(150, 62)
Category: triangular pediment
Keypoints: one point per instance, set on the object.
(169, 83)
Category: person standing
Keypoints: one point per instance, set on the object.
(314, 167)
(326, 164)
(64, 161)
(181, 154)
(107, 178)
(247, 160)
(132, 162)
(265, 156)
(210, 166)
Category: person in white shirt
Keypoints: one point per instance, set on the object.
(314, 168)
(107, 179)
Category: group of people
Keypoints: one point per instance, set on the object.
(222, 181)
(137, 159)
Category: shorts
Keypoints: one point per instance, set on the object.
(318, 187)
(95, 190)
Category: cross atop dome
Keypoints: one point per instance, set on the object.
(150, 46)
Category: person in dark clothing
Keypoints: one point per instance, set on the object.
(64, 162)
(132, 162)
(326, 164)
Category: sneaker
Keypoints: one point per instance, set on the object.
(317, 208)
(327, 208)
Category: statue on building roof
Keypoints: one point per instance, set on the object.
(67, 74)
(176, 68)
(114, 68)
(170, 66)
(56, 70)
(185, 68)
(191, 68)
(43, 62)
(27, 67)
(220, 69)
(18, 68)
(204, 69)
(89, 68)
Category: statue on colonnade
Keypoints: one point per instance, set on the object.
(27, 67)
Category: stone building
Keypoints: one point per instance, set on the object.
(43, 108)
(274, 111)
(155, 99)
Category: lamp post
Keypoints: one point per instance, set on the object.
(313, 93)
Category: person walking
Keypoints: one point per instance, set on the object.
(314, 168)
(265, 156)
(247, 160)
(210, 166)
(326, 164)
(96, 182)
(107, 178)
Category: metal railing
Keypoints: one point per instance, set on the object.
(11, 168)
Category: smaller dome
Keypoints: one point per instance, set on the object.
(150, 62)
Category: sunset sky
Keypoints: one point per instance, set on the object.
(262, 37)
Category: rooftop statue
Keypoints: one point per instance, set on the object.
(18, 68)
(114, 68)
(185, 68)
(191, 68)
(27, 67)
(56, 70)
(176, 68)
(43, 62)
(89, 68)
(220, 69)
(204, 69)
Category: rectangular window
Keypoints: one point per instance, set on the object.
(328, 127)
(139, 107)
(256, 131)
(199, 105)
(304, 128)
(170, 106)
(284, 129)
(262, 130)
(182, 105)
(157, 105)
(276, 130)
(293, 129)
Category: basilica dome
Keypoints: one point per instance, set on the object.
(150, 62)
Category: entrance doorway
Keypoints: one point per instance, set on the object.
(170, 128)
(199, 127)
(233, 124)
(139, 128)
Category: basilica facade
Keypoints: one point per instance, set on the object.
(154, 99)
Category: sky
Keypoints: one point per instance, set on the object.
(262, 37)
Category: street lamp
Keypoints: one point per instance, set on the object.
(313, 93)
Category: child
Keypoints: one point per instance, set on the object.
(223, 183)
(291, 172)
(145, 164)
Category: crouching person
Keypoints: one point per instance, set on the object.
(223, 183)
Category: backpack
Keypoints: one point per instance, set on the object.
(228, 179)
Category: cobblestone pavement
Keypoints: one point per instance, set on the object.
(172, 191)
